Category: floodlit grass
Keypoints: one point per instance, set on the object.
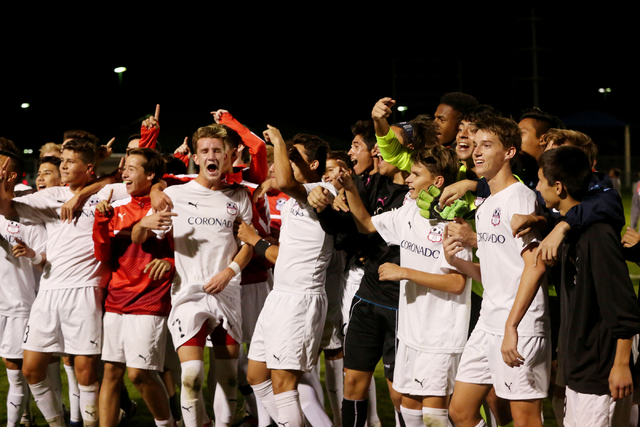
(385, 408)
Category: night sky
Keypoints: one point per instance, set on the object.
(315, 68)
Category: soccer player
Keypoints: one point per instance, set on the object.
(600, 313)
(66, 316)
(138, 298)
(286, 340)
(205, 290)
(510, 346)
(19, 287)
(434, 298)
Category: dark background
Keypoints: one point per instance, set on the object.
(313, 68)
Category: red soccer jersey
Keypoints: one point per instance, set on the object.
(130, 290)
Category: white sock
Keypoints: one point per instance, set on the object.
(313, 411)
(53, 372)
(481, 424)
(435, 417)
(89, 404)
(372, 409)
(191, 393)
(289, 411)
(334, 380)
(165, 423)
(313, 379)
(412, 417)
(264, 393)
(226, 396)
(47, 402)
(264, 419)
(74, 394)
(17, 397)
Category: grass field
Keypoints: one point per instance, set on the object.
(385, 409)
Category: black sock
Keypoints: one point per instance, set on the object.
(174, 406)
(354, 412)
(125, 400)
(246, 389)
(402, 424)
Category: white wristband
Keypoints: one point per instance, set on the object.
(36, 259)
(235, 267)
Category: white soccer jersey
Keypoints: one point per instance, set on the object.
(305, 249)
(19, 280)
(429, 320)
(501, 263)
(119, 192)
(70, 259)
(203, 236)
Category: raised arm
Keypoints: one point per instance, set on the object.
(150, 129)
(284, 174)
(361, 217)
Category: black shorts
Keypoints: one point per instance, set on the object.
(371, 335)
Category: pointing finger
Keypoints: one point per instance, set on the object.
(157, 114)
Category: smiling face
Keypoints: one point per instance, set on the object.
(464, 142)
(73, 170)
(490, 155)
(421, 179)
(447, 120)
(332, 166)
(360, 155)
(137, 181)
(48, 176)
(211, 157)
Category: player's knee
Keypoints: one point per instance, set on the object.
(33, 374)
(458, 412)
(139, 377)
(192, 378)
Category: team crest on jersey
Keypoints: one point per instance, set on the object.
(232, 208)
(93, 201)
(296, 210)
(435, 234)
(407, 198)
(13, 227)
(495, 218)
(280, 202)
(478, 201)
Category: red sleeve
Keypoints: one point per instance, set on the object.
(258, 169)
(101, 239)
(149, 137)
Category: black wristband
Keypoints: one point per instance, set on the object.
(261, 247)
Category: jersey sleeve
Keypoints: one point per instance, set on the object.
(119, 192)
(35, 208)
(101, 237)
(148, 137)
(393, 152)
(258, 168)
(524, 204)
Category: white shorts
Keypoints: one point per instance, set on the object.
(424, 374)
(592, 410)
(138, 341)
(352, 283)
(482, 363)
(188, 316)
(11, 336)
(289, 331)
(66, 321)
(253, 297)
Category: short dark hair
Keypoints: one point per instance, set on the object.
(366, 129)
(544, 120)
(315, 147)
(459, 101)
(425, 132)
(154, 163)
(440, 161)
(342, 156)
(479, 112)
(505, 129)
(229, 137)
(570, 166)
(83, 148)
(80, 134)
(54, 160)
(174, 165)
(8, 148)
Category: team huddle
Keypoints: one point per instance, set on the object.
(478, 257)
